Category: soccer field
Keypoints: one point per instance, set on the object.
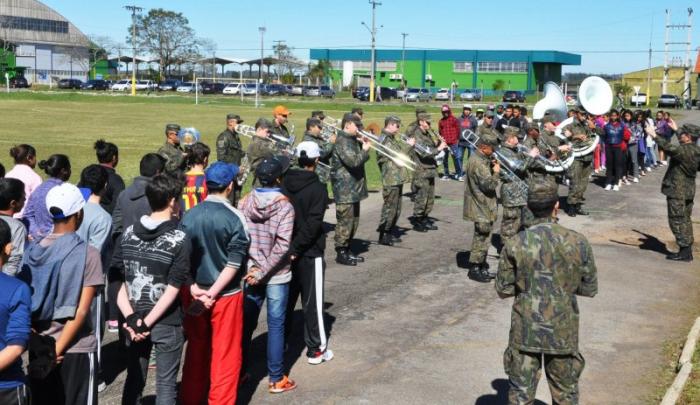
(69, 123)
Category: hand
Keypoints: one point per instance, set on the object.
(672, 124)
(59, 357)
(366, 145)
(411, 141)
(442, 146)
(496, 167)
(591, 124)
(332, 138)
(208, 302)
(565, 148)
(198, 292)
(534, 152)
(252, 277)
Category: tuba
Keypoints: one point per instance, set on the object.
(553, 103)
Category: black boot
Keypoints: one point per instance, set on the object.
(571, 210)
(685, 254)
(580, 210)
(394, 235)
(478, 273)
(418, 225)
(428, 224)
(356, 258)
(385, 239)
(343, 258)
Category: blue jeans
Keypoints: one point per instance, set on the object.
(457, 154)
(277, 295)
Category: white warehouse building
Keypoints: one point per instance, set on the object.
(47, 44)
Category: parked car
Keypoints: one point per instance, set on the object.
(297, 90)
(69, 84)
(142, 85)
(387, 94)
(421, 94)
(638, 99)
(19, 82)
(513, 96)
(470, 95)
(276, 90)
(443, 94)
(249, 89)
(187, 87)
(232, 89)
(121, 85)
(96, 84)
(312, 91)
(213, 88)
(169, 85)
(668, 100)
(571, 97)
(359, 90)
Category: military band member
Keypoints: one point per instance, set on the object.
(678, 186)
(279, 123)
(581, 130)
(410, 129)
(171, 151)
(318, 114)
(548, 145)
(425, 173)
(480, 202)
(393, 178)
(487, 125)
(260, 148)
(545, 267)
(229, 149)
(313, 134)
(358, 112)
(349, 186)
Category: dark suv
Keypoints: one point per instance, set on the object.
(513, 96)
(19, 82)
(69, 84)
(96, 84)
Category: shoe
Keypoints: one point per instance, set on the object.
(616, 188)
(685, 254)
(395, 236)
(343, 258)
(356, 258)
(113, 326)
(664, 163)
(580, 210)
(385, 239)
(445, 178)
(626, 182)
(635, 180)
(608, 187)
(571, 210)
(283, 385)
(648, 169)
(461, 178)
(478, 274)
(101, 386)
(320, 357)
(428, 224)
(418, 225)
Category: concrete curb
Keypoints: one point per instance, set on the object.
(685, 366)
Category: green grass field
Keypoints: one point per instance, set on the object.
(69, 123)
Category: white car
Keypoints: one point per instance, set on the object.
(233, 88)
(187, 87)
(442, 95)
(639, 99)
(249, 89)
(312, 91)
(418, 95)
(145, 85)
(121, 85)
(297, 90)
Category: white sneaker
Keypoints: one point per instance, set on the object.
(445, 178)
(321, 357)
(461, 178)
(625, 182)
(609, 187)
(616, 188)
(635, 180)
(664, 163)
(648, 169)
(102, 386)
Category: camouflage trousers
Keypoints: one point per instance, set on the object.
(679, 221)
(524, 370)
(480, 242)
(510, 222)
(391, 208)
(235, 195)
(425, 196)
(579, 172)
(347, 218)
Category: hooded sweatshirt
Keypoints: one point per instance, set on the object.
(150, 256)
(310, 198)
(449, 127)
(270, 218)
(131, 206)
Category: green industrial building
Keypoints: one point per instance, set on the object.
(475, 69)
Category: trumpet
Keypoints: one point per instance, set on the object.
(508, 166)
(397, 157)
(285, 145)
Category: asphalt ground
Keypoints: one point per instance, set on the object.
(408, 326)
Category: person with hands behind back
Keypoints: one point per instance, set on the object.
(152, 258)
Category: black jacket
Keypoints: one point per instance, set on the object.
(131, 206)
(149, 259)
(310, 198)
(115, 185)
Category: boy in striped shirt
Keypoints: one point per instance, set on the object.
(195, 190)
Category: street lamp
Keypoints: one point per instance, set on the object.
(257, 86)
(373, 33)
(134, 10)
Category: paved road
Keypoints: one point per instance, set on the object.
(409, 327)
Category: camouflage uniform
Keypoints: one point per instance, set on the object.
(582, 168)
(174, 157)
(393, 178)
(545, 267)
(326, 149)
(349, 186)
(229, 148)
(678, 186)
(258, 149)
(425, 173)
(513, 196)
(480, 203)
(280, 130)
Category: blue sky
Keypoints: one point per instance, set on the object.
(612, 36)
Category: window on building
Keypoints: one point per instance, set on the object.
(462, 67)
(33, 24)
(365, 65)
(502, 67)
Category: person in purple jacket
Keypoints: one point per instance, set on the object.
(38, 220)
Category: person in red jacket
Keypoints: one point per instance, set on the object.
(449, 129)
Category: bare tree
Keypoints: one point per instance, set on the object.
(287, 61)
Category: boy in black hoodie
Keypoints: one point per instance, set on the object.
(153, 258)
(310, 198)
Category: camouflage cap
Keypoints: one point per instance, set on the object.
(548, 118)
(511, 131)
(234, 117)
(488, 138)
(350, 117)
(263, 123)
(357, 110)
(489, 113)
(424, 117)
(392, 119)
(420, 110)
(533, 127)
(172, 127)
(542, 192)
(318, 114)
(690, 129)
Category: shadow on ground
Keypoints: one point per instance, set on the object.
(501, 395)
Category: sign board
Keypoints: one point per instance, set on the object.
(636, 89)
(98, 76)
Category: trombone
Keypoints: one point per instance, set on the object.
(400, 159)
(423, 149)
(285, 145)
(507, 165)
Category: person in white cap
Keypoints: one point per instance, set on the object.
(63, 315)
(310, 198)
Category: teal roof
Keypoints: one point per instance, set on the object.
(563, 58)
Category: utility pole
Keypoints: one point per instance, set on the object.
(664, 83)
(403, 60)
(134, 10)
(373, 33)
(689, 28)
(262, 59)
(278, 50)
(686, 82)
(651, 35)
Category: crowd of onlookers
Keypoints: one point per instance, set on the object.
(164, 261)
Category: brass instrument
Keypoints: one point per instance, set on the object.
(508, 166)
(401, 159)
(285, 145)
(551, 165)
(418, 146)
